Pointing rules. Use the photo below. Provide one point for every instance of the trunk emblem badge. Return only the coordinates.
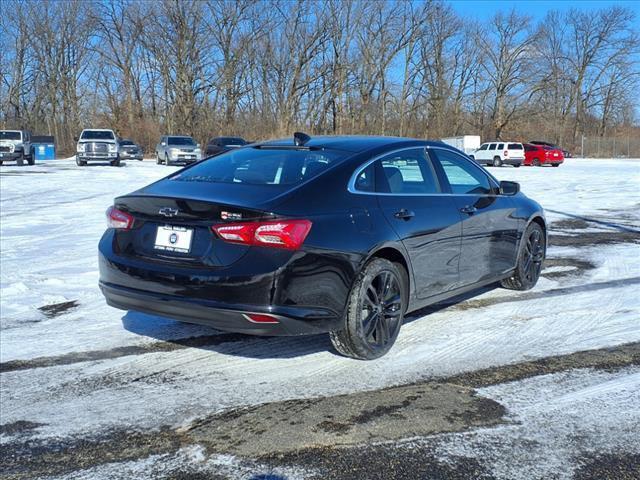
(230, 216)
(168, 211)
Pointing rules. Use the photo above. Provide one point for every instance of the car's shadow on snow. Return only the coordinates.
(187, 335)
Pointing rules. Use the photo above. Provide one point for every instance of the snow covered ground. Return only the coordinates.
(80, 369)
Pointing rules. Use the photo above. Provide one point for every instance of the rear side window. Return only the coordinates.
(267, 166)
(492, 146)
(365, 181)
(407, 172)
(514, 146)
(500, 146)
(464, 177)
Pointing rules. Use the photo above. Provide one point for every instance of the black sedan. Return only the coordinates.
(343, 235)
(220, 145)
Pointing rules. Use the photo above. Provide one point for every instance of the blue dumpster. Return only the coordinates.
(45, 147)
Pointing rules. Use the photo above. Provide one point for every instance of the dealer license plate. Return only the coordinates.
(174, 239)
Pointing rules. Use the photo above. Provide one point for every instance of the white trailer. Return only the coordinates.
(466, 143)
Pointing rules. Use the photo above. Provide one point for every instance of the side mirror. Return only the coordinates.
(75, 139)
(509, 188)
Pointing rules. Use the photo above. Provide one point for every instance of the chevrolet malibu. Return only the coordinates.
(337, 235)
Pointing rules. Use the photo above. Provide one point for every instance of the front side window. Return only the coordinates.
(463, 176)
(484, 147)
(407, 172)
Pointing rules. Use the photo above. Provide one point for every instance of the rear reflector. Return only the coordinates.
(260, 318)
(287, 234)
(118, 219)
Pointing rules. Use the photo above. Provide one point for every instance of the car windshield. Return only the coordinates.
(262, 166)
(9, 135)
(231, 141)
(181, 141)
(97, 135)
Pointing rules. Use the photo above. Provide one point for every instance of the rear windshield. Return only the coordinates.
(97, 135)
(514, 146)
(126, 142)
(261, 166)
(9, 135)
(181, 141)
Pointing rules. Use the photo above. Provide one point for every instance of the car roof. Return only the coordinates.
(352, 143)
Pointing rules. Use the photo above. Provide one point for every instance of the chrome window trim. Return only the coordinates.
(351, 186)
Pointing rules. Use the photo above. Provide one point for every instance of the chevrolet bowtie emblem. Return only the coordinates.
(168, 211)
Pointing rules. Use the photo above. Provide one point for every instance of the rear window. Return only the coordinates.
(97, 135)
(126, 142)
(231, 141)
(514, 146)
(256, 166)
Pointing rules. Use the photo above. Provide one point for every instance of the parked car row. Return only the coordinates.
(498, 154)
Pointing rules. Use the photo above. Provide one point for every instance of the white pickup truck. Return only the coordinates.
(97, 145)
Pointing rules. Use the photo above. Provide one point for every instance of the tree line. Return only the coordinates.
(264, 68)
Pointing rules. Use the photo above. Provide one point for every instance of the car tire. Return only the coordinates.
(116, 162)
(380, 295)
(32, 158)
(536, 162)
(517, 165)
(20, 160)
(158, 161)
(80, 163)
(555, 165)
(1, 162)
(166, 160)
(530, 259)
(497, 161)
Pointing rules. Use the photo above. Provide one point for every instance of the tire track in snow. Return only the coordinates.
(212, 340)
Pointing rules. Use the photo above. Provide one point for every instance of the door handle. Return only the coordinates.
(404, 214)
(469, 209)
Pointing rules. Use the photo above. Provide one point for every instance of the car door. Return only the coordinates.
(480, 155)
(425, 219)
(490, 223)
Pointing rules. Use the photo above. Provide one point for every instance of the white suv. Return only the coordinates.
(499, 153)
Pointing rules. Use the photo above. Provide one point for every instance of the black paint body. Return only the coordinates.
(445, 251)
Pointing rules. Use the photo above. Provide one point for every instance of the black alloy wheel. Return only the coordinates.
(375, 312)
(530, 260)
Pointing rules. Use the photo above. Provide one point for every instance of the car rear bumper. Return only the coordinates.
(287, 321)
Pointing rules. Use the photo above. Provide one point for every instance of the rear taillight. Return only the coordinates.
(260, 318)
(118, 219)
(288, 234)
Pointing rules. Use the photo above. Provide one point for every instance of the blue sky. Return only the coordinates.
(482, 9)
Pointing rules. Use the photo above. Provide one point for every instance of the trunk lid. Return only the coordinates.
(191, 208)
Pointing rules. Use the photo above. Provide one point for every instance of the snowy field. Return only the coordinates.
(75, 372)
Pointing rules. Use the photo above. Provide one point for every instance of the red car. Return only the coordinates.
(539, 155)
